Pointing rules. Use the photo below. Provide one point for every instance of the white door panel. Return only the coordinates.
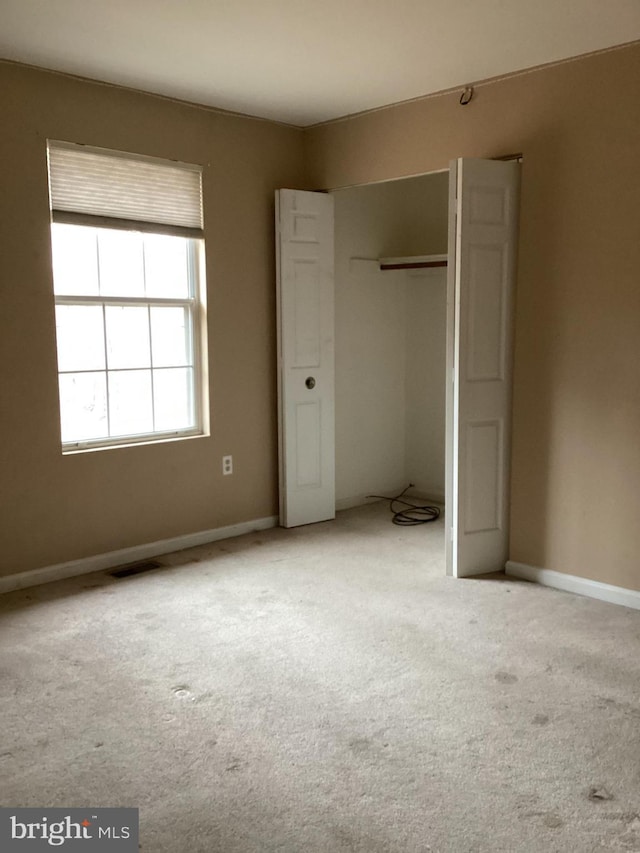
(304, 223)
(483, 239)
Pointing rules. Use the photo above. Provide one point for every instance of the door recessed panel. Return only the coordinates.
(307, 347)
(483, 493)
(488, 284)
(488, 205)
(304, 228)
(308, 452)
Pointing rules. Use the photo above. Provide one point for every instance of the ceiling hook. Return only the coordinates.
(466, 96)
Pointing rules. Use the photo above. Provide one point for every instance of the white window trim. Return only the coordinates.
(194, 304)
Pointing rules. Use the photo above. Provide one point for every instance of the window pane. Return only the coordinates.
(127, 336)
(170, 337)
(121, 263)
(80, 336)
(172, 394)
(165, 264)
(83, 406)
(75, 260)
(130, 402)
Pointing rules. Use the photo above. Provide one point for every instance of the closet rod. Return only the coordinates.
(412, 265)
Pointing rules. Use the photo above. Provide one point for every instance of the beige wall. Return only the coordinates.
(576, 439)
(576, 452)
(55, 508)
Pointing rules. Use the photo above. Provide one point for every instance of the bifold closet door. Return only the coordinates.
(483, 231)
(305, 300)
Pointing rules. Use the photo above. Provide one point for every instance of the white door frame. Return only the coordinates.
(450, 424)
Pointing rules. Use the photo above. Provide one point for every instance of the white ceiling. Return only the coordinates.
(304, 62)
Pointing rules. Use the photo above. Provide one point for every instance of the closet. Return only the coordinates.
(371, 353)
(390, 338)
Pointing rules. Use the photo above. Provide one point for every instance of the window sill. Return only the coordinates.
(129, 441)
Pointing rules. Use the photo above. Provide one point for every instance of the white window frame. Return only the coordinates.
(194, 304)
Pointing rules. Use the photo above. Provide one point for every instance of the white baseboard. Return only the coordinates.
(111, 559)
(573, 583)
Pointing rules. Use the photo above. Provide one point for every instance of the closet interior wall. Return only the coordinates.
(390, 331)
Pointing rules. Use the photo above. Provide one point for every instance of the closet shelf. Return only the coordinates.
(415, 262)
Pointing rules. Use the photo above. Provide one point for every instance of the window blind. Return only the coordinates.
(128, 189)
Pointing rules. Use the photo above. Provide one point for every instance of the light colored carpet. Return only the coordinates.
(326, 689)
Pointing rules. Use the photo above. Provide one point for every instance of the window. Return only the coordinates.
(126, 237)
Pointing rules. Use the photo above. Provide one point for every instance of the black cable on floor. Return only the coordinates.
(412, 513)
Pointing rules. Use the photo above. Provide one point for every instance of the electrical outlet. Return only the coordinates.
(227, 465)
